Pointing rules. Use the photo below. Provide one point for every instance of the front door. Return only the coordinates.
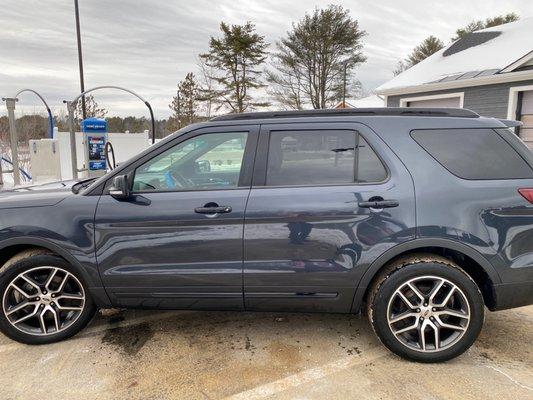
(177, 242)
(327, 199)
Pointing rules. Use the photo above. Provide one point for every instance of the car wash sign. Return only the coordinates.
(95, 131)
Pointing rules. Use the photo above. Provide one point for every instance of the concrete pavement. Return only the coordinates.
(217, 355)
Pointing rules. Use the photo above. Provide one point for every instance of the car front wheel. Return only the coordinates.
(426, 308)
(43, 299)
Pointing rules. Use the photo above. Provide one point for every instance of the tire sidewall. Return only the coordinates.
(404, 274)
(25, 264)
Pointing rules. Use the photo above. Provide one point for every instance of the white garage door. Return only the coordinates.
(446, 102)
(526, 116)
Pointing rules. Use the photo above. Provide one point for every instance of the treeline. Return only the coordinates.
(36, 126)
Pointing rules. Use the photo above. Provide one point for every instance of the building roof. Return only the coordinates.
(485, 53)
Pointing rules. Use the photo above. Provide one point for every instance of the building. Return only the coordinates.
(488, 71)
(365, 102)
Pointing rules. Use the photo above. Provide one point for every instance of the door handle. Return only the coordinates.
(213, 210)
(379, 203)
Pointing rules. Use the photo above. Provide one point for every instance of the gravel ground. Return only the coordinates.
(216, 355)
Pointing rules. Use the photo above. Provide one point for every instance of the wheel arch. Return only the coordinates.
(474, 264)
(13, 246)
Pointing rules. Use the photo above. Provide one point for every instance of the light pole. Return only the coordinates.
(80, 58)
(344, 86)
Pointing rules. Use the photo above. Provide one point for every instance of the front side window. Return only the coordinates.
(321, 158)
(209, 161)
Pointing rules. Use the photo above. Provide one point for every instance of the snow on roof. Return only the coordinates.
(482, 53)
(370, 101)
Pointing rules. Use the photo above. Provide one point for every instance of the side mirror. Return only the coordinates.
(202, 166)
(120, 188)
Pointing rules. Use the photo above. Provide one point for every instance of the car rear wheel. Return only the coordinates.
(425, 308)
(43, 299)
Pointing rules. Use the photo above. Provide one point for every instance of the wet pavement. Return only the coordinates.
(217, 355)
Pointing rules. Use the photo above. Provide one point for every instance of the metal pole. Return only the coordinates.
(73, 156)
(80, 58)
(50, 116)
(10, 104)
(179, 109)
(73, 102)
(344, 87)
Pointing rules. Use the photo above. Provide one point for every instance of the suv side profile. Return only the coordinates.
(421, 217)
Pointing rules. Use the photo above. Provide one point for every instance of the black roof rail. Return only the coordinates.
(378, 112)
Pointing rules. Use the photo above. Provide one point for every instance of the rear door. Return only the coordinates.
(327, 199)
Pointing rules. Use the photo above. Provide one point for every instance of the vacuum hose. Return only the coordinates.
(107, 150)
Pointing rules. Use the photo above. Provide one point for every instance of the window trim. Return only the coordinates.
(495, 130)
(245, 177)
(263, 148)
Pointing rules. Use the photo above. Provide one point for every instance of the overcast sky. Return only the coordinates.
(148, 46)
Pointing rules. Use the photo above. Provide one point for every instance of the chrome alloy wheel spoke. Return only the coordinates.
(43, 300)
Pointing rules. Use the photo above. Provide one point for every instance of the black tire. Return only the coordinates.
(405, 270)
(26, 261)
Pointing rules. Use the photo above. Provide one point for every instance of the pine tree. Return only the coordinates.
(309, 64)
(429, 46)
(188, 89)
(184, 104)
(488, 23)
(236, 58)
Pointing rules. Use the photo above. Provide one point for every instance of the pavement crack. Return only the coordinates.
(510, 378)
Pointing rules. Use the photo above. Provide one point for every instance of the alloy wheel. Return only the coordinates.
(428, 314)
(43, 300)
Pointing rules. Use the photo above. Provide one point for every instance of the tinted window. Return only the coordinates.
(210, 161)
(321, 157)
(473, 153)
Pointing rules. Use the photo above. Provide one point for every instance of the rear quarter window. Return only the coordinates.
(473, 153)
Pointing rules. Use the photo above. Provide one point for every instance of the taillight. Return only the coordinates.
(527, 193)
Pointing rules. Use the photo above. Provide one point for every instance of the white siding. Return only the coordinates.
(446, 102)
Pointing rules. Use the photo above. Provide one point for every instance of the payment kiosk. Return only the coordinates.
(95, 138)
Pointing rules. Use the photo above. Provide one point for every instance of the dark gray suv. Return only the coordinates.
(420, 216)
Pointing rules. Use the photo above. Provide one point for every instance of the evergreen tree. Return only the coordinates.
(429, 46)
(488, 23)
(236, 57)
(188, 89)
(309, 64)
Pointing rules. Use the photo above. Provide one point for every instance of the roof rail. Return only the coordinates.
(378, 112)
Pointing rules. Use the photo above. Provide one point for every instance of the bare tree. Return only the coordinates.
(207, 93)
(91, 107)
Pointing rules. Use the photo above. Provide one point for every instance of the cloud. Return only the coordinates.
(148, 46)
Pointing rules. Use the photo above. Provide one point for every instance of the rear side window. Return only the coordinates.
(321, 158)
(473, 153)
